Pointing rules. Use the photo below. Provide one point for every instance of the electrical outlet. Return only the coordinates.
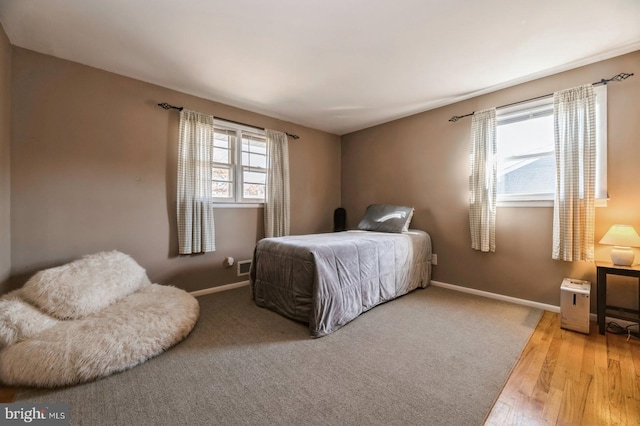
(434, 259)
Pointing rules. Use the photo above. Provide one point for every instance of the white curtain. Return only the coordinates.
(482, 180)
(196, 230)
(277, 205)
(575, 146)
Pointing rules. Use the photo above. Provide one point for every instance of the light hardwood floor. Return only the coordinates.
(563, 378)
(568, 378)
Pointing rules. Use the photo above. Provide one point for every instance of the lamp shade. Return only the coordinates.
(621, 235)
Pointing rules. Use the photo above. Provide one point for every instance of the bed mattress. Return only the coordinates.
(327, 280)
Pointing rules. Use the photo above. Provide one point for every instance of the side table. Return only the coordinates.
(608, 268)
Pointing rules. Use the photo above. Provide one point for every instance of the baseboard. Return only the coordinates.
(552, 308)
(497, 296)
(218, 289)
(525, 302)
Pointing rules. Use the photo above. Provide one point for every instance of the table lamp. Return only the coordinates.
(622, 238)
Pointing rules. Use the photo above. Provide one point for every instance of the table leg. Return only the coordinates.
(602, 299)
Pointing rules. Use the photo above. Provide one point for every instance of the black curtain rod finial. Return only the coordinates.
(458, 117)
(167, 106)
(619, 77)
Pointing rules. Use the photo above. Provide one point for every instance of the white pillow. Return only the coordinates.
(85, 286)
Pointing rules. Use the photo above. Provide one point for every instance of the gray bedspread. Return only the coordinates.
(327, 280)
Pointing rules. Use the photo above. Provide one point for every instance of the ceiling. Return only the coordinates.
(333, 65)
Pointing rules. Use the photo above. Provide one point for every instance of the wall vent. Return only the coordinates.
(244, 266)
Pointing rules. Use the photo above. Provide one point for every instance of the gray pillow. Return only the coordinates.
(386, 218)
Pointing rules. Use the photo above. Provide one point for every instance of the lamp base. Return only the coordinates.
(622, 256)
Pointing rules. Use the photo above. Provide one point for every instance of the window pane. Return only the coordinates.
(254, 160)
(253, 190)
(534, 176)
(223, 146)
(254, 177)
(222, 190)
(526, 161)
(221, 174)
(254, 152)
(221, 140)
(222, 155)
(525, 137)
(258, 146)
(254, 184)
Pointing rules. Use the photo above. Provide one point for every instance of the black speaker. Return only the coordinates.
(339, 220)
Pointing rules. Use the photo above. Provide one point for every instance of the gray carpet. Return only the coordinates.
(432, 357)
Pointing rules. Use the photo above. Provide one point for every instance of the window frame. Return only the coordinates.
(237, 167)
(534, 108)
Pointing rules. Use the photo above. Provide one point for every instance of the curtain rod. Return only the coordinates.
(168, 106)
(619, 77)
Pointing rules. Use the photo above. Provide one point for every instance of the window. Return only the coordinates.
(239, 170)
(526, 156)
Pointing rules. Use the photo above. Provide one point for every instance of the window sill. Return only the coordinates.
(540, 203)
(238, 205)
(525, 203)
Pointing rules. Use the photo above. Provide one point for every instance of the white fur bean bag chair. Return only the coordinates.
(88, 319)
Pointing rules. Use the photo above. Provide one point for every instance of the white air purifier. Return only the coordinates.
(574, 305)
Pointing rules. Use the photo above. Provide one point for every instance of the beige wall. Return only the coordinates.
(93, 167)
(5, 171)
(422, 161)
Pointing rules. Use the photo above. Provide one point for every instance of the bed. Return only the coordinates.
(327, 280)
